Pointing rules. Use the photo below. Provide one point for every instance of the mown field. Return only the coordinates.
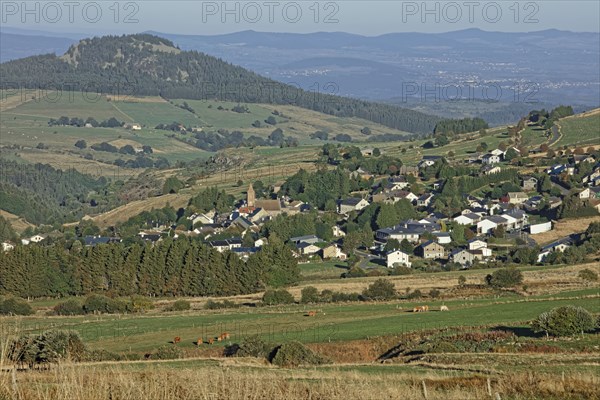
(581, 129)
(338, 322)
(353, 336)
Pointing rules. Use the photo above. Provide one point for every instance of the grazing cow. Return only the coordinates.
(421, 309)
(199, 342)
(225, 336)
(311, 313)
(219, 338)
(211, 341)
(444, 308)
(177, 339)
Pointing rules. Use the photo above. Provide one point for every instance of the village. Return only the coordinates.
(489, 227)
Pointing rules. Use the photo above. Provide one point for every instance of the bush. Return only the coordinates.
(180, 305)
(401, 270)
(310, 294)
(167, 352)
(281, 296)
(101, 355)
(139, 304)
(294, 353)
(251, 346)
(48, 347)
(415, 295)
(462, 280)
(505, 277)
(338, 297)
(69, 307)
(434, 293)
(381, 289)
(98, 304)
(564, 321)
(355, 272)
(216, 305)
(588, 275)
(14, 306)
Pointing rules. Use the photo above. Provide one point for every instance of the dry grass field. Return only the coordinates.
(209, 380)
(19, 224)
(564, 228)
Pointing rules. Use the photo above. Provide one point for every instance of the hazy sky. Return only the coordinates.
(363, 17)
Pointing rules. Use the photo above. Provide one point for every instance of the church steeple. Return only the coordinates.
(251, 196)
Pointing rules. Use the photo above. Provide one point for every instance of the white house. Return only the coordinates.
(497, 152)
(36, 238)
(425, 200)
(442, 237)
(307, 248)
(351, 204)
(490, 159)
(476, 244)
(517, 197)
(6, 246)
(559, 246)
(398, 257)
(488, 224)
(467, 219)
(585, 194)
(338, 232)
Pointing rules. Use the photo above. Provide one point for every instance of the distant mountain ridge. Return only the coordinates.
(149, 65)
(549, 67)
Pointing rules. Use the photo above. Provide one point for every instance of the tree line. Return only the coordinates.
(182, 267)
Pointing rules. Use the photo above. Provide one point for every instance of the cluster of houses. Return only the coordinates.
(430, 237)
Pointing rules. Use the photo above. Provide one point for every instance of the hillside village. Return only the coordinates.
(488, 229)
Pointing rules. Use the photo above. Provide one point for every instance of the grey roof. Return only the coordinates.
(566, 241)
(303, 238)
(351, 201)
(94, 240)
(497, 219)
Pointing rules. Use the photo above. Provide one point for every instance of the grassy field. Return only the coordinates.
(322, 270)
(342, 322)
(351, 335)
(533, 137)
(582, 129)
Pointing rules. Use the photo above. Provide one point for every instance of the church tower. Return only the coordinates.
(251, 196)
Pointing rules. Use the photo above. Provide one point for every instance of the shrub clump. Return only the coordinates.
(216, 305)
(167, 352)
(588, 275)
(98, 304)
(251, 346)
(505, 277)
(381, 289)
(69, 307)
(564, 321)
(310, 294)
(47, 347)
(180, 305)
(14, 306)
(294, 353)
(281, 296)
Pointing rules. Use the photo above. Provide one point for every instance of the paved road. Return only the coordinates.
(555, 136)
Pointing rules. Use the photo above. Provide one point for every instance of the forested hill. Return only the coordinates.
(149, 65)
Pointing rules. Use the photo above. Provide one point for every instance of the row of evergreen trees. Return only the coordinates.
(182, 267)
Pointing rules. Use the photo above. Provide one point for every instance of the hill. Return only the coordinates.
(152, 66)
(579, 130)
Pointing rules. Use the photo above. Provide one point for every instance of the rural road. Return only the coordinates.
(555, 135)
